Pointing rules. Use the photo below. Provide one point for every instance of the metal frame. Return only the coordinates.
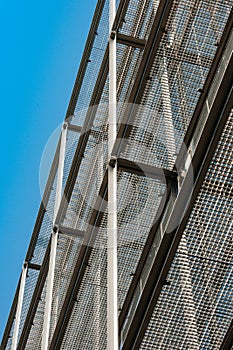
(147, 60)
(135, 96)
(48, 188)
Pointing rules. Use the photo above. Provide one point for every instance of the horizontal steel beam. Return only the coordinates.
(34, 266)
(146, 170)
(130, 41)
(68, 231)
(74, 128)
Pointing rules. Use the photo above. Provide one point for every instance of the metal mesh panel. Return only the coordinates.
(128, 60)
(139, 18)
(195, 310)
(46, 227)
(67, 254)
(9, 341)
(29, 288)
(180, 68)
(171, 93)
(87, 329)
(88, 319)
(94, 160)
(68, 246)
(91, 74)
(34, 338)
(71, 145)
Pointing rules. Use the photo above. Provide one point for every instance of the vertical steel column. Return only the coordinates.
(54, 238)
(19, 306)
(112, 309)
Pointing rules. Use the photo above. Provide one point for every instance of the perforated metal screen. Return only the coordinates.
(195, 309)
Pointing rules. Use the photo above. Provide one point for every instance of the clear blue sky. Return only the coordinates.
(41, 47)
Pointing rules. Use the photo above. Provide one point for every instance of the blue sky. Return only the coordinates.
(41, 47)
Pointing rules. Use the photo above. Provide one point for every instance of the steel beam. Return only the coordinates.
(68, 231)
(146, 170)
(131, 41)
(74, 128)
(33, 266)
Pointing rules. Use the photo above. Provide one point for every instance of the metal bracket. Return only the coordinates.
(113, 35)
(112, 161)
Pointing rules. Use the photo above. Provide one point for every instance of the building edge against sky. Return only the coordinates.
(172, 163)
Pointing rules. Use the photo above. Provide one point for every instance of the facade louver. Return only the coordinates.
(173, 156)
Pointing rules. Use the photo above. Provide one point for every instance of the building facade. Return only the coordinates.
(172, 162)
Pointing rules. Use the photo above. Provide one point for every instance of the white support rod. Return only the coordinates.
(112, 308)
(19, 306)
(54, 238)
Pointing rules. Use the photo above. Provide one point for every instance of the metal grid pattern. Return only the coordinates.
(69, 248)
(94, 160)
(63, 262)
(86, 321)
(34, 339)
(195, 310)
(46, 227)
(139, 18)
(29, 288)
(182, 62)
(94, 63)
(44, 235)
(9, 341)
(136, 195)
